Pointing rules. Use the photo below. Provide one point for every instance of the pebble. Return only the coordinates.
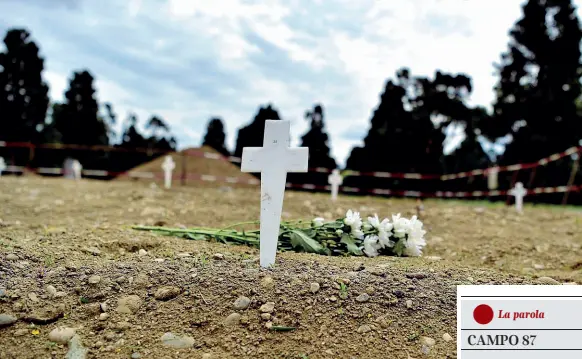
(12, 257)
(447, 337)
(93, 250)
(33, 297)
(333, 298)
(547, 281)
(364, 329)
(159, 260)
(232, 319)
(242, 303)
(314, 287)
(266, 316)
(61, 335)
(183, 255)
(409, 303)
(416, 275)
(428, 341)
(135, 356)
(267, 282)
(6, 320)
(103, 316)
(398, 293)
(268, 307)
(103, 307)
(176, 341)
(364, 297)
(142, 252)
(129, 304)
(167, 293)
(20, 332)
(539, 266)
(94, 279)
(218, 256)
(268, 325)
(51, 290)
(76, 349)
(2, 292)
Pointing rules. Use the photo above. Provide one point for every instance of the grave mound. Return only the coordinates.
(198, 170)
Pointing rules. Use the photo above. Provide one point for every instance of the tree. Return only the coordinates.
(252, 134)
(316, 140)
(78, 121)
(539, 84)
(407, 128)
(23, 93)
(215, 136)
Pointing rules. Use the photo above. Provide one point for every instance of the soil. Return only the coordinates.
(69, 258)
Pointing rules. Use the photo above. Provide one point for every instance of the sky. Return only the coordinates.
(190, 60)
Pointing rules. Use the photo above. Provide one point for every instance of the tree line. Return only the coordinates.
(537, 106)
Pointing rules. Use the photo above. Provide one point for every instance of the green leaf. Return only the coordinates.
(197, 237)
(282, 328)
(351, 245)
(302, 240)
(399, 248)
(83, 300)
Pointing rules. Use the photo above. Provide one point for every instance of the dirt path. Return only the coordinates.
(69, 259)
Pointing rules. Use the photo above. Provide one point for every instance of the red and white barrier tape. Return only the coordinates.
(378, 191)
(217, 156)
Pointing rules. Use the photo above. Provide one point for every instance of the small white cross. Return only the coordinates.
(518, 192)
(168, 166)
(2, 165)
(335, 180)
(273, 161)
(77, 168)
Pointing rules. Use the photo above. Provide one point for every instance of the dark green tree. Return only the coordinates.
(316, 140)
(23, 93)
(539, 85)
(252, 134)
(78, 120)
(215, 136)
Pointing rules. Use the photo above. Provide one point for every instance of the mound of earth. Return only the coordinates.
(195, 168)
(75, 277)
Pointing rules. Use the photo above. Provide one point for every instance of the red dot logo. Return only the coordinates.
(483, 314)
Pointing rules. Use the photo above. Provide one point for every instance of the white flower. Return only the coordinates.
(367, 226)
(339, 232)
(371, 246)
(401, 226)
(355, 222)
(415, 239)
(383, 229)
(353, 219)
(318, 222)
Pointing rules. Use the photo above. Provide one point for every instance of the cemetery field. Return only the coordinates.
(69, 258)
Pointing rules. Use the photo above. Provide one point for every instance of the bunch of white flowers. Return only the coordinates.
(401, 236)
(345, 236)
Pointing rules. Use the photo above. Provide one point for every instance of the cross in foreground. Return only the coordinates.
(168, 166)
(518, 192)
(335, 180)
(2, 165)
(273, 161)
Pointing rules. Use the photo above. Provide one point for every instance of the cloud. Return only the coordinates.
(190, 60)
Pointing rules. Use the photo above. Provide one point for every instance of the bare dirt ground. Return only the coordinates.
(68, 258)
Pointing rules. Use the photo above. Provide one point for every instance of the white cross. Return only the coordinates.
(77, 168)
(2, 165)
(335, 180)
(168, 166)
(273, 160)
(518, 192)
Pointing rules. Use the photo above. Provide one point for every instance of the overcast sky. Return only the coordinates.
(188, 60)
